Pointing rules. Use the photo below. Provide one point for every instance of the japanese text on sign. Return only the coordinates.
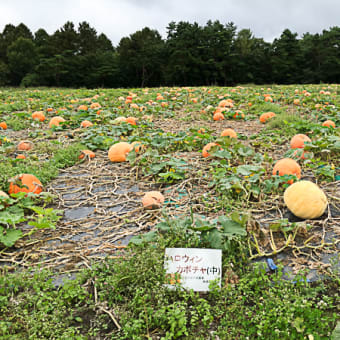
(193, 268)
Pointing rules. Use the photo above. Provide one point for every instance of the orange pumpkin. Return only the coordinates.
(218, 116)
(118, 152)
(226, 103)
(152, 200)
(329, 123)
(86, 123)
(266, 116)
(25, 183)
(137, 146)
(205, 150)
(229, 133)
(25, 145)
(131, 120)
(95, 106)
(287, 166)
(38, 115)
(120, 119)
(134, 106)
(298, 141)
(3, 125)
(238, 114)
(82, 108)
(87, 154)
(55, 121)
(20, 157)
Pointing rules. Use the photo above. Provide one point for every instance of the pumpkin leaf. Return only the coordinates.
(8, 237)
(246, 170)
(231, 227)
(213, 238)
(12, 215)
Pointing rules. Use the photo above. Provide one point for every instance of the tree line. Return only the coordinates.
(191, 55)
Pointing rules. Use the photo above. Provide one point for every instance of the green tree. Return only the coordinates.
(217, 52)
(87, 38)
(184, 43)
(243, 56)
(199, 55)
(312, 56)
(330, 55)
(22, 57)
(287, 58)
(141, 58)
(4, 73)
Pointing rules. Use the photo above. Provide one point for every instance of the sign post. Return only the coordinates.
(193, 268)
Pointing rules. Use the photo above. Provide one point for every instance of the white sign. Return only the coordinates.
(193, 268)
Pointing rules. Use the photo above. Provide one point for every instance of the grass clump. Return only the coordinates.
(45, 171)
(283, 119)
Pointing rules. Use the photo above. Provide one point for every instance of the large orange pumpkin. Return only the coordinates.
(131, 120)
(38, 115)
(287, 166)
(329, 123)
(119, 151)
(119, 120)
(82, 108)
(229, 132)
(55, 121)
(86, 123)
(3, 125)
(95, 106)
(298, 141)
(205, 150)
(87, 154)
(25, 183)
(226, 103)
(138, 146)
(266, 116)
(152, 200)
(238, 114)
(218, 116)
(25, 145)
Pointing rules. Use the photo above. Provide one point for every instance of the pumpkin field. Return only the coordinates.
(96, 175)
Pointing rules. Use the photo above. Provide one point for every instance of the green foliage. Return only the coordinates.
(223, 233)
(18, 209)
(44, 171)
(191, 54)
(131, 287)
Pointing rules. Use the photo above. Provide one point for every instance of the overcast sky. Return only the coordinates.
(120, 18)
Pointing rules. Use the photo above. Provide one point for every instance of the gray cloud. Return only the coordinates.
(119, 18)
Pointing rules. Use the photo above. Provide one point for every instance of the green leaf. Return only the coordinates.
(221, 153)
(12, 215)
(245, 151)
(137, 240)
(163, 226)
(231, 227)
(9, 236)
(246, 170)
(213, 238)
